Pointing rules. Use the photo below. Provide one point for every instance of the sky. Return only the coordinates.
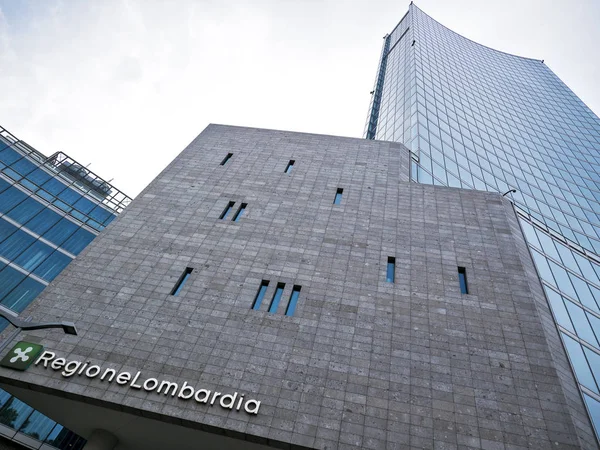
(125, 85)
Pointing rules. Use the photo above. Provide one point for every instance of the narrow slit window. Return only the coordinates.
(260, 294)
(226, 159)
(290, 165)
(276, 298)
(338, 196)
(239, 212)
(462, 280)
(182, 279)
(226, 210)
(391, 270)
(293, 301)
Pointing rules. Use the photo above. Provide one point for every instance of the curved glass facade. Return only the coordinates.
(50, 210)
(478, 118)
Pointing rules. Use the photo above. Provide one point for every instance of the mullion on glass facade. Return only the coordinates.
(478, 118)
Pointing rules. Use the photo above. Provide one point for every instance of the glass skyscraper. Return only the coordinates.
(478, 118)
(51, 208)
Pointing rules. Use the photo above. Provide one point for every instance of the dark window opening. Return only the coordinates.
(239, 212)
(227, 158)
(291, 308)
(391, 270)
(338, 197)
(260, 294)
(462, 279)
(182, 279)
(290, 165)
(226, 210)
(276, 298)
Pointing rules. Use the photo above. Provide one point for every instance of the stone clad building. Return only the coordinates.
(349, 307)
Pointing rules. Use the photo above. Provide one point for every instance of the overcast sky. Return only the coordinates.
(126, 84)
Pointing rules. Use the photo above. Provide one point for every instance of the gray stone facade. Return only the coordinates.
(363, 363)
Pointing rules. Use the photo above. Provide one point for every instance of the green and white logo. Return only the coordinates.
(22, 355)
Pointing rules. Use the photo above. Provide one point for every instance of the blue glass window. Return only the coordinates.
(593, 360)
(61, 231)
(61, 205)
(78, 241)
(290, 166)
(226, 210)
(25, 210)
(20, 297)
(8, 156)
(6, 229)
(543, 268)
(14, 413)
(69, 196)
(64, 439)
(101, 215)
(10, 198)
(23, 166)
(293, 301)
(52, 266)
(84, 205)
(580, 365)
(338, 196)
(276, 298)
(227, 158)
(594, 408)
(179, 285)
(462, 280)
(583, 292)
(562, 279)
(260, 295)
(13, 246)
(38, 176)
(4, 396)
(559, 309)
(240, 211)
(4, 185)
(109, 219)
(582, 326)
(38, 426)
(43, 221)
(391, 270)
(53, 186)
(34, 255)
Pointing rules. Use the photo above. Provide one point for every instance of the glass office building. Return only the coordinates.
(51, 208)
(478, 118)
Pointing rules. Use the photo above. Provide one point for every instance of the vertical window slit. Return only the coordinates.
(338, 196)
(260, 294)
(226, 210)
(276, 298)
(227, 158)
(288, 169)
(462, 280)
(291, 308)
(391, 270)
(182, 279)
(239, 212)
